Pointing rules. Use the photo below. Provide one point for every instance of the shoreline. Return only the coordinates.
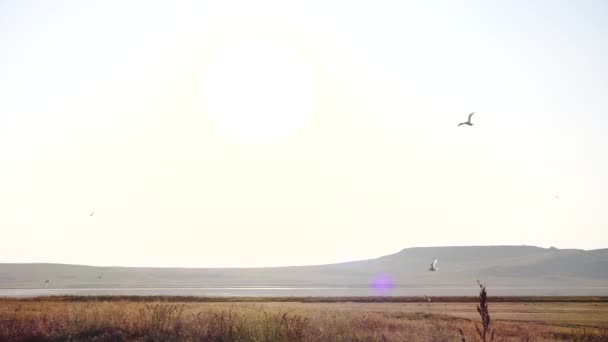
(353, 299)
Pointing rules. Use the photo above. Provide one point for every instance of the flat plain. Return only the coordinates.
(183, 319)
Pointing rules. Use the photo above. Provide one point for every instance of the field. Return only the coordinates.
(182, 319)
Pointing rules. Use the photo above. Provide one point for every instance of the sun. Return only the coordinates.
(257, 91)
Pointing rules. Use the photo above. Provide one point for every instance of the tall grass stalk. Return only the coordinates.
(484, 331)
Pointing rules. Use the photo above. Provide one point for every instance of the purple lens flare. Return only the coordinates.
(383, 284)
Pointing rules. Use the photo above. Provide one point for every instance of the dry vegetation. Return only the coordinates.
(312, 319)
(342, 299)
(54, 320)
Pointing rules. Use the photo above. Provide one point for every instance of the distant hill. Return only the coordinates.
(458, 266)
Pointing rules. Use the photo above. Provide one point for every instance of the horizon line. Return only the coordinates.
(285, 266)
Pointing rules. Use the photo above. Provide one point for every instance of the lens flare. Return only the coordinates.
(383, 284)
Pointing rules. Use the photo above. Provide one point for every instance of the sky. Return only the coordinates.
(269, 133)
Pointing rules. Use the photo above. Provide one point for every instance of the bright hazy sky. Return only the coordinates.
(263, 133)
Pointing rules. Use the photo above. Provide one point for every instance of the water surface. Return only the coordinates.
(292, 291)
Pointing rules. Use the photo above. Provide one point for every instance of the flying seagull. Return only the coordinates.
(468, 121)
(433, 267)
(46, 282)
(99, 276)
(92, 212)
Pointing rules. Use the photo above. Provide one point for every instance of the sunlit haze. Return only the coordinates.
(267, 133)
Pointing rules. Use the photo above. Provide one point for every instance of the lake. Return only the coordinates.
(292, 291)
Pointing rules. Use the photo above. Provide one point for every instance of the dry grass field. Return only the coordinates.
(52, 319)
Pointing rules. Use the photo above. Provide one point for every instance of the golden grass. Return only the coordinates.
(342, 299)
(127, 320)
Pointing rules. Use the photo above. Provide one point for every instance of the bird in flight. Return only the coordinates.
(100, 275)
(468, 122)
(433, 267)
(92, 212)
(46, 282)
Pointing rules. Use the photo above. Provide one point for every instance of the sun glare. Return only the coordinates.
(257, 92)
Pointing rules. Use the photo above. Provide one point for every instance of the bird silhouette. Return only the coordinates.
(46, 282)
(92, 212)
(100, 275)
(468, 122)
(433, 267)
